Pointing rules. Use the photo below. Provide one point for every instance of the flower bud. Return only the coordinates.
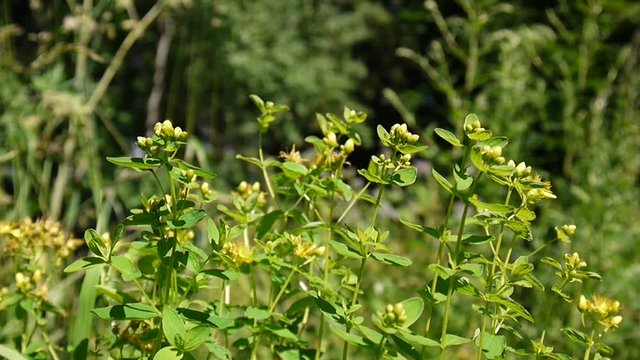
(255, 187)
(349, 146)
(583, 303)
(331, 140)
(204, 188)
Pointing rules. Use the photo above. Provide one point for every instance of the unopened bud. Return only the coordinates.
(349, 146)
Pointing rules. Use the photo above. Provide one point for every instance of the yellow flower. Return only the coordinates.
(239, 253)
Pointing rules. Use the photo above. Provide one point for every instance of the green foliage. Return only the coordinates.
(283, 271)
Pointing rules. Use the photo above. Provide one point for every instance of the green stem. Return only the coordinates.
(496, 259)
(445, 320)
(325, 276)
(264, 171)
(364, 251)
(447, 307)
(587, 353)
(380, 350)
(352, 203)
(275, 301)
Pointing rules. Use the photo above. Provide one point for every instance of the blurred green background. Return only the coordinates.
(79, 80)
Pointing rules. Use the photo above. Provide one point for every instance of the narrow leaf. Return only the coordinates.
(448, 136)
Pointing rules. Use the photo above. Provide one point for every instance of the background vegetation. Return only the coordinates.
(79, 80)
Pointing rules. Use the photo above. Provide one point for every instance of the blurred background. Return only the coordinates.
(79, 80)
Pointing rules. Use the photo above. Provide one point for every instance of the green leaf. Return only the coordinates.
(372, 177)
(477, 161)
(501, 170)
(383, 135)
(443, 272)
(411, 149)
(196, 170)
(515, 307)
(370, 334)
(294, 170)
(476, 239)
(576, 335)
(344, 250)
(493, 346)
(526, 214)
(413, 308)
(417, 340)
(227, 275)
(168, 353)
(423, 229)
(471, 120)
(442, 181)
(551, 261)
(125, 267)
(213, 233)
(116, 235)
(10, 353)
(195, 337)
(95, 243)
(135, 163)
(348, 337)
(187, 220)
(84, 264)
(448, 136)
(475, 269)
(257, 313)
(267, 222)
(481, 135)
(500, 141)
(282, 332)
(173, 327)
(328, 308)
(218, 351)
(454, 340)
(130, 311)
(604, 348)
(484, 206)
(391, 259)
(404, 177)
(463, 181)
(258, 101)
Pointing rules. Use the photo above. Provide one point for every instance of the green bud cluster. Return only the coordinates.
(400, 135)
(394, 315)
(164, 133)
(574, 263)
(474, 126)
(565, 232)
(492, 155)
(521, 170)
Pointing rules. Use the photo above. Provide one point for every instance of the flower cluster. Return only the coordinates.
(521, 170)
(394, 315)
(492, 155)
(240, 254)
(164, 134)
(574, 264)
(473, 125)
(246, 191)
(565, 232)
(400, 135)
(35, 248)
(293, 156)
(603, 308)
(327, 154)
(305, 249)
(31, 239)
